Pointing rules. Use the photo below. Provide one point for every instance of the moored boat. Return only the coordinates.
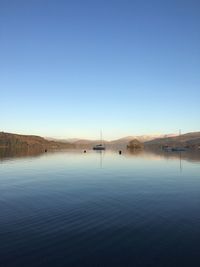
(99, 146)
(178, 149)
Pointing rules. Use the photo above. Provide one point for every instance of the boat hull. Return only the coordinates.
(178, 149)
(99, 148)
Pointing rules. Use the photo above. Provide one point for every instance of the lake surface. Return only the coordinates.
(73, 209)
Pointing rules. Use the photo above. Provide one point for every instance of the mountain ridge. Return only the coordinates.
(191, 139)
(29, 141)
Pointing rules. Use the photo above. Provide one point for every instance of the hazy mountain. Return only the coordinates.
(141, 138)
(118, 143)
(189, 139)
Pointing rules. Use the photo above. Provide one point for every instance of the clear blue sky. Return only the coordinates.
(69, 68)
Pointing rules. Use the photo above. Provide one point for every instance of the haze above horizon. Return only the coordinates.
(71, 68)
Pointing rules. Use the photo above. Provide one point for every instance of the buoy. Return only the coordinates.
(120, 152)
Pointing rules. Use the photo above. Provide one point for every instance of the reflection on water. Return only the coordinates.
(17, 152)
(189, 155)
(69, 208)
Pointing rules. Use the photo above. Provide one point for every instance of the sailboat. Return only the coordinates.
(99, 146)
(179, 148)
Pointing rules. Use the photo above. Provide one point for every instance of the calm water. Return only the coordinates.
(75, 209)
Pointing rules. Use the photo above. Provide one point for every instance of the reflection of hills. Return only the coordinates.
(6, 153)
(189, 155)
(149, 153)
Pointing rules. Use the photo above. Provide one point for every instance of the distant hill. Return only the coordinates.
(134, 144)
(118, 143)
(191, 140)
(30, 141)
(114, 144)
(123, 142)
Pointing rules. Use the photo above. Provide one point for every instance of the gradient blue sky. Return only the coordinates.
(69, 68)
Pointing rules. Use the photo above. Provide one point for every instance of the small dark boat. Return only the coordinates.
(178, 149)
(175, 148)
(99, 147)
